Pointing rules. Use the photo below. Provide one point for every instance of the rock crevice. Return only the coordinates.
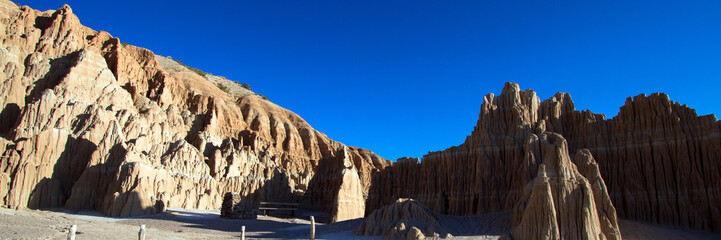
(92, 123)
(658, 159)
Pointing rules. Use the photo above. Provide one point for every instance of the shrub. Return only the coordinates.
(246, 86)
(195, 70)
(198, 71)
(222, 87)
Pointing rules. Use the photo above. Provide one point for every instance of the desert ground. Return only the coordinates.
(172, 224)
(202, 224)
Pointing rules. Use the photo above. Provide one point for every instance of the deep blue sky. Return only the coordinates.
(404, 78)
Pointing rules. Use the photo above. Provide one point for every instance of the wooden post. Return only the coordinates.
(71, 233)
(141, 233)
(242, 233)
(312, 228)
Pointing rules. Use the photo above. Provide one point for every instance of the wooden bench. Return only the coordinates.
(265, 206)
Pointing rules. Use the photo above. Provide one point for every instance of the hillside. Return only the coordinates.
(90, 123)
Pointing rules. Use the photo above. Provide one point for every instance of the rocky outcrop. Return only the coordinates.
(658, 159)
(349, 202)
(485, 174)
(233, 208)
(341, 193)
(607, 218)
(179, 70)
(90, 123)
(560, 202)
(404, 219)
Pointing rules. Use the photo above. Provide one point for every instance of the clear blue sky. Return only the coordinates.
(402, 78)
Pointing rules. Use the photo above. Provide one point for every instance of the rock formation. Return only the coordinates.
(90, 123)
(349, 201)
(560, 202)
(404, 219)
(233, 207)
(607, 218)
(658, 159)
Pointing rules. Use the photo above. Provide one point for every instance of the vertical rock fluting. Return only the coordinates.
(560, 202)
(341, 192)
(485, 174)
(90, 123)
(607, 217)
(659, 160)
(404, 219)
(349, 202)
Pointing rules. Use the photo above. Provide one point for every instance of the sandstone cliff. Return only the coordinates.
(561, 202)
(90, 123)
(659, 160)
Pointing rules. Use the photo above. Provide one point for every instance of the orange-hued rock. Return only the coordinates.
(660, 162)
(341, 192)
(349, 202)
(560, 202)
(90, 123)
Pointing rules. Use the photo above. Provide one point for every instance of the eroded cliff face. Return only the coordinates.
(562, 202)
(404, 219)
(90, 123)
(660, 162)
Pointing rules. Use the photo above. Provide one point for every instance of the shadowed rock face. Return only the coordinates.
(91, 123)
(560, 202)
(404, 219)
(659, 160)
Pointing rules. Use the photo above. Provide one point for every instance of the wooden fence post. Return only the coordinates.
(242, 233)
(71, 233)
(312, 228)
(141, 233)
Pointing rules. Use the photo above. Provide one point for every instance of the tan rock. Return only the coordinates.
(102, 125)
(560, 203)
(658, 159)
(485, 174)
(415, 233)
(350, 203)
(404, 219)
(588, 167)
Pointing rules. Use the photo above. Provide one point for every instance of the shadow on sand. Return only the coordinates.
(272, 227)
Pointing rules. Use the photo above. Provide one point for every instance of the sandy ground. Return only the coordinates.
(639, 230)
(201, 224)
(484, 226)
(172, 224)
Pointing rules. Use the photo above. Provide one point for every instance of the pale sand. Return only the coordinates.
(172, 224)
(202, 224)
(632, 230)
